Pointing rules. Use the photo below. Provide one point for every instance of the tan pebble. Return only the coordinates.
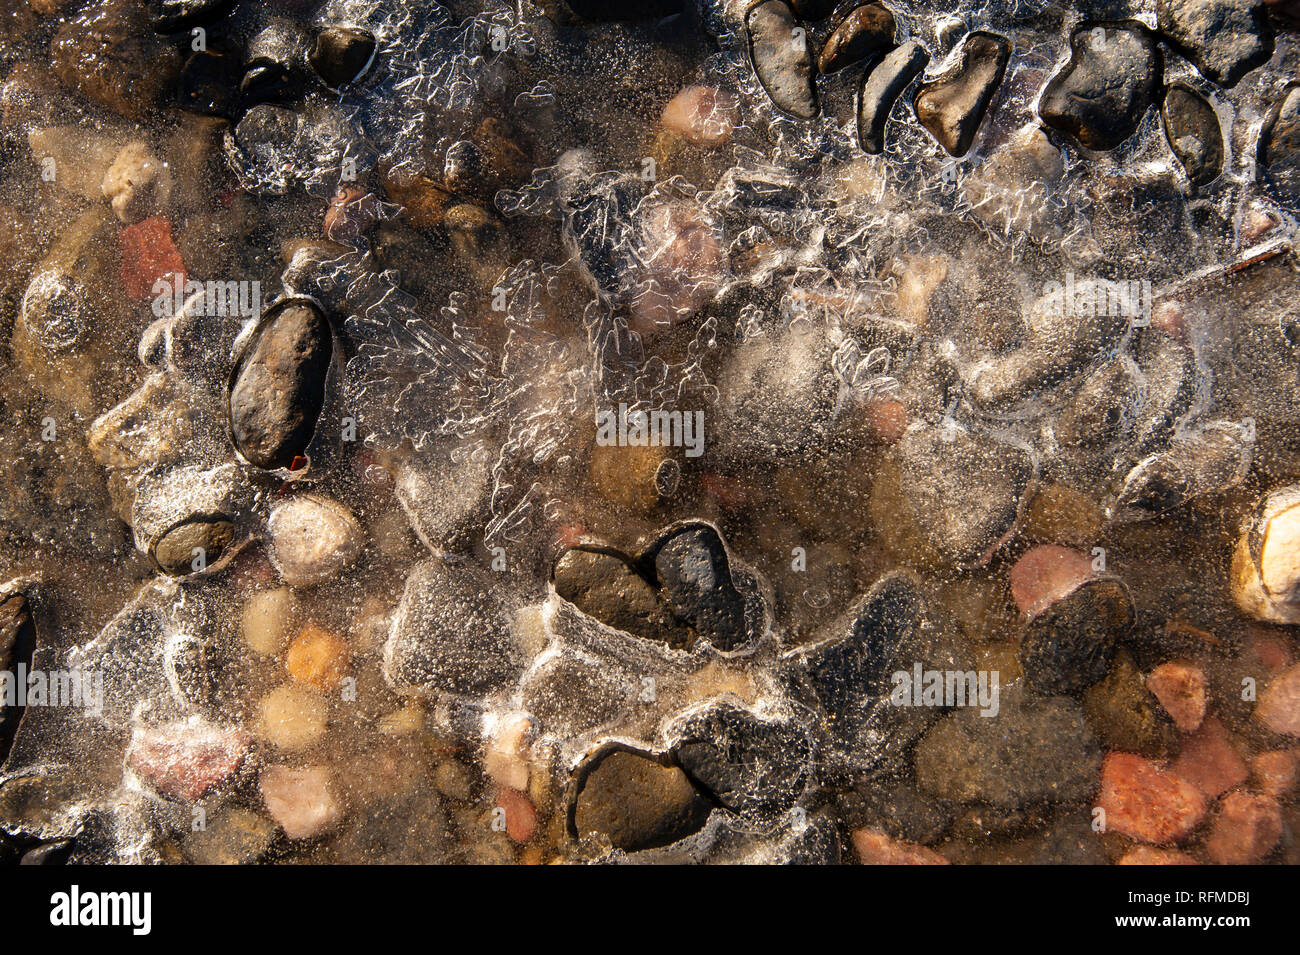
(1180, 688)
(452, 780)
(626, 475)
(138, 184)
(313, 539)
(409, 719)
(78, 159)
(506, 757)
(1265, 570)
(918, 278)
(266, 618)
(293, 718)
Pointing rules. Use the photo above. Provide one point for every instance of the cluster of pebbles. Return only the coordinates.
(314, 321)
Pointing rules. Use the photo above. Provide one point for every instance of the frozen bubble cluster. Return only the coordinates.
(723, 431)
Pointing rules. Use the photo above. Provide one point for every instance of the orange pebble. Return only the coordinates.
(318, 658)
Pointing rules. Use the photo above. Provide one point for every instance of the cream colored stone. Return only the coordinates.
(293, 718)
(313, 538)
(1266, 581)
(266, 619)
(301, 800)
(138, 184)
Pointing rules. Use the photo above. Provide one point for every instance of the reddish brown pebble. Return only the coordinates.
(1279, 704)
(1246, 829)
(1274, 773)
(886, 419)
(521, 817)
(187, 761)
(1210, 762)
(148, 256)
(1045, 574)
(1168, 317)
(877, 848)
(1145, 802)
(1180, 688)
(1272, 650)
(1150, 855)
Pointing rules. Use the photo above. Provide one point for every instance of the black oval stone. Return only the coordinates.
(1194, 134)
(341, 54)
(277, 389)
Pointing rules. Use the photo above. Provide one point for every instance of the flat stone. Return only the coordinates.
(694, 577)
(1194, 134)
(1101, 95)
(952, 106)
(607, 587)
(864, 31)
(278, 387)
(193, 546)
(783, 64)
(187, 761)
(634, 799)
(1033, 751)
(746, 763)
(313, 539)
(962, 489)
(1226, 39)
(881, 87)
(233, 837)
(1279, 142)
(340, 54)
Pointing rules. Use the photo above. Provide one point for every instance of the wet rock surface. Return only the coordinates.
(1194, 134)
(1226, 39)
(1113, 77)
(866, 30)
(635, 801)
(278, 386)
(782, 58)
(881, 88)
(952, 106)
